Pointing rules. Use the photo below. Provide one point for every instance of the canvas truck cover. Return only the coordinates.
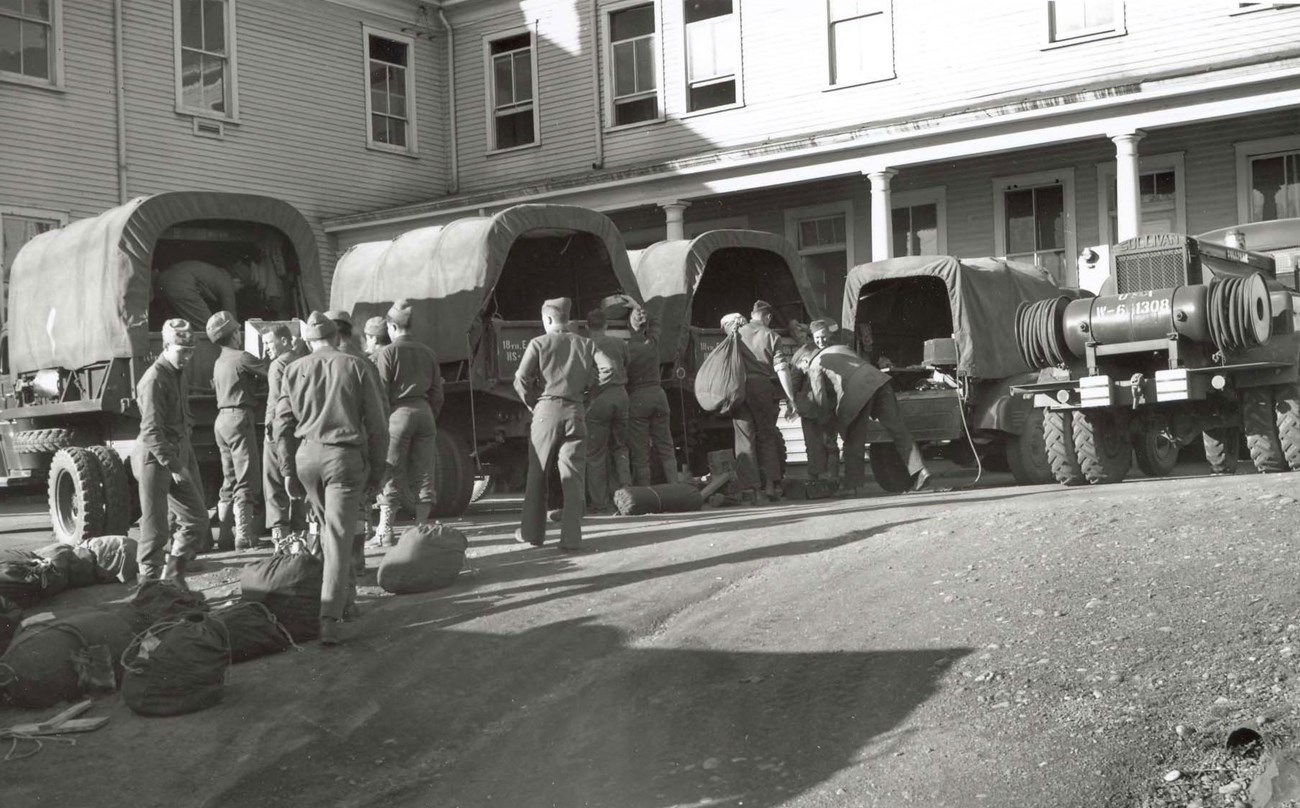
(449, 271)
(983, 295)
(80, 294)
(669, 272)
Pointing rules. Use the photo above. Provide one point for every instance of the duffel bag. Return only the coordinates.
(426, 557)
(253, 631)
(158, 601)
(115, 557)
(62, 659)
(76, 570)
(665, 498)
(288, 585)
(11, 620)
(177, 666)
(720, 379)
(25, 577)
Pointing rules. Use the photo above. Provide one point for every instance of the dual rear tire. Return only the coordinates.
(89, 494)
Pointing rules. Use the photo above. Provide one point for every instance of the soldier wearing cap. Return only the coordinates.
(767, 373)
(648, 413)
(282, 517)
(607, 415)
(331, 442)
(857, 391)
(821, 438)
(554, 378)
(412, 380)
(376, 336)
(164, 463)
(235, 376)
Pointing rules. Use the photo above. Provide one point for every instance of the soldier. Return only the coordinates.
(820, 436)
(376, 336)
(234, 379)
(165, 465)
(331, 440)
(282, 517)
(858, 391)
(409, 374)
(607, 415)
(758, 441)
(554, 376)
(195, 290)
(648, 413)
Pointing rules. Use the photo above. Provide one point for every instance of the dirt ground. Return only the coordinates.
(1002, 646)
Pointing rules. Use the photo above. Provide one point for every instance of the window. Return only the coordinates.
(1268, 179)
(512, 79)
(861, 41)
(17, 227)
(823, 235)
(1034, 221)
(205, 58)
(30, 42)
(633, 67)
(1161, 194)
(712, 54)
(917, 218)
(1070, 21)
(390, 92)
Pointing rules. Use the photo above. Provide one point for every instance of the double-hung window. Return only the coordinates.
(1071, 21)
(1275, 186)
(205, 57)
(1034, 221)
(918, 222)
(712, 54)
(513, 91)
(633, 66)
(823, 235)
(390, 92)
(29, 41)
(861, 41)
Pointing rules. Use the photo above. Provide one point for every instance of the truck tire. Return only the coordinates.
(889, 469)
(1058, 438)
(1155, 453)
(42, 441)
(1260, 424)
(483, 486)
(454, 480)
(76, 496)
(1103, 449)
(1027, 452)
(1222, 448)
(1286, 398)
(117, 491)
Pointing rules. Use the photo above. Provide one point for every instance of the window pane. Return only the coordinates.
(1020, 221)
(515, 129)
(524, 76)
(713, 95)
(1267, 180)
(511, 43)
(191, 79)
(1165, 184)
(1053, 262)
(387, 50)
(36, 50)
(214, 83)
(701, 57)
(503, 79)
(1292, 185)
(192, 23)
(40, 9)
(214, 26)
(645, 65)
(643, 109)
(697, 10)
(861, 49)
(378, 87)
(11, 60)
(1099, 13)
(631, 22)
(12, 5)
(1049, 216)
(624, 69)
(397, 92)
(379, 128)
(901, 221)
(397, 132)
(807, 233)
(925, 229)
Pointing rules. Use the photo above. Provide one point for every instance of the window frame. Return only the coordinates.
(490, 90)
(1250, 149)
(844, 207)
(738, 76)
(1237, 7)
(608, 54)
(887, 8)
(1039, 179)
(1147, 163)
(55, 81)
(412, 141)
(231, 115)
(1118, 28)
(937, 196)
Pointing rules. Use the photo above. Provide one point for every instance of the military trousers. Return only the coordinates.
(758, 442)
(160, 496)
(821, 441)
(649, 423)
(241, 472)
(606, 442)
(557, 439)
(282, 513)
(883, 407)
(412, 454)
(335, 479)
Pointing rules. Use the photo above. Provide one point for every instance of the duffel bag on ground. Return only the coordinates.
(11, 620)
(666, 498)
(253, 631)
(157, 601)
(288, 585)
(25, 577)
(76, 569)
(60, 660)
(115, 557)
(177, 666)
(426, 557)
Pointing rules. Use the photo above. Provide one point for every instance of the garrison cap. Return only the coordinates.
(805, 353)
(818, 326)
(376, 326)
(221, 324)
(400, 313)
(339, 316)
(559, 306)
(319, 326)
(761, 306)
(178, 331)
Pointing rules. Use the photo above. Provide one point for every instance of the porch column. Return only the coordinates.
(1128, 203)
(673, 218)
(882, 227)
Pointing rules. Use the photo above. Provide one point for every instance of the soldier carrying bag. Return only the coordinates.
(720, 379)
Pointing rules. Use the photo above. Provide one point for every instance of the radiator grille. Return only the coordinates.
(1154, 269)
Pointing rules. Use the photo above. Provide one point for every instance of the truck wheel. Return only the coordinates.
(1058, 438)
(1286, 398)
(42, 441)
(889, 469)
(1027, 452)
(454, 480)
(117, 491)
(1222, 448)
(1260, 423)
(1155, 453)
(1102, 447)
(76, 496)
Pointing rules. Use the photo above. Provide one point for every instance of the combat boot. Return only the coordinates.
(622, 470)
(422, 511)
(384, 530)
(330, 631)
(175, 573)
(225, 527)
(244, 538)
(147, 573)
